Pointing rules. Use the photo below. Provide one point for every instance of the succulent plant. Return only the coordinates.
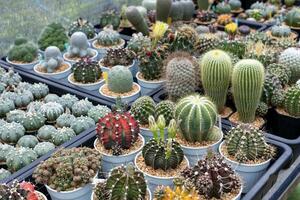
(262, 109)
(79, 46)
(293, 18)
(281, 31)
(68, 169)
(81, 108)
(235, 4)
(82, 26)
(67, 100)
(247, 84)
(224, 19)
(177, 11)
(197, 116)
(65, 120)
(2, 88)
(16, 191)
(19, 158)
(45, 132)
(120, 56)
(272, 86)
(51, 98)
(24, 52)
(213, 177)
(244, 30)
(137, 20)
(281, 71)
(43, 148)
(53, 34)
(291, 58)
(86, 71)
(20, 97)
(15, 116)
(163, 9)
(261, 52)
(6, 105)
(165, 108)
(51, 111)
(142, 108)
(138, 42)
(289, 3)
(120, 79)
(291, 101)
(216, 69)
(108, 37)
(62, 135)
(205, 16)
(3, 175)
(10, 78)
(28, 141)
(110, 17)
(97, 112)
(182, 75)
(53, 59)
(202, 29)
(4, 151)
(39, 90)
(223, 8)
(10, 133)
(81, 124)
(206, 42)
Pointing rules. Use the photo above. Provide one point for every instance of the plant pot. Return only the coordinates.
(102, 51)
(194, 154)
(128, 99)
(148, 135)
(148, 191)
(148, 86)
(56, 75)
(109, 161)
(72, 61)
(88, 86)
(41, 195)
(27, 66)
(131, 67)
(250, 173)
(239, 195)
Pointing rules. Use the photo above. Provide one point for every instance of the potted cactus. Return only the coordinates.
(214, 179)
(282, 31)
(82, 25)
(23, 54)
(246, 150)
(205, 17)
(197, 116)
(110, 17)
(118, 138)
(68, 173)
(292, 18)
(120, 84)
(79, 48)
(236, 6)
(86, 74)
(290, 58)
(161, 158)
(131, 185)
(136, 18)
(223, 8)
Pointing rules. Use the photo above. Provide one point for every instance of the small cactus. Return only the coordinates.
(108, 37)
(53, 59)
(67, 100)
(6, 105)
(120, 79)
(86, 71)
(81, 108)
(62, 135)
(163, 9)
(10, 133)
(137, 20)
(51, 111)
(81, 124)
(142, 108)
(51, 98)
(291, 58)
(97, 112)
(5, 149)
(291, 101)
(45, 132)
(43, 148)
(28, 141)
(165, 108)
(65, 120)
(39, 90)
(4, 174)
(79, 46)
(19, 158)
(82, 26)
(32, 121)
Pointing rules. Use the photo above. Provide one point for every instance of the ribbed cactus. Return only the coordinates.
(43, 148)
(247, 83)
(165, 108)
(65, 120)
(292, 101)
(197, 116)
(51, 111)
(108, 37)
(142, 108)
(32, 121)
(67, 100)
(291, 58)
(45, 132)
(163, 8)
(29, 141)
(137, 20)
(181, 75)
(84, 26)
(216, 69)
(86, 71)
(4, 151)
(97, 112)
(81, 108)
(39, 90)
(81, 124)
(20, 158)
(62, 135)
(246, 143)
(11, 132)
(6, 105)
(79, 46)
(188, 9)
(120, 79)
(272, 86)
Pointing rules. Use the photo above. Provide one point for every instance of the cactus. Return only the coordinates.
(6, 105)
(247, 84)
(281, 31)
(28, 141)
(81, 25)
(142, 108)
(68, 169)
(291, 58)
(216, 69)
(2, 88)
(165, 108)
(39, 90)
(45, 132)
(213, 177)
(51, 98)
(223, 8)
(32, 121)
(137, 20)
(81, 124)
(79, 46)
(25, 52)
(198, 116)
(163, 9)
(235, 5)
(67, 100)
(16, 191)
(4, 174)
(291, 101)
(62, 135)
(97, 112)
(53, 59)
(138, 42)
(206, 42)
(10, 133)
(120, 79)
(261, 52)
(10, 78)
(81, 108)
(181, 75)
(65, 120)
(289, 3)
(43, 148)
(272, 86)
(86, 71)
(108, 37)
(177, 11)
(20, 97)
(19, 158)
(262, 109)
(120, 56)
(5, 149)
(281, 71)
(15, 116)
(293, 18)
(224, 19)
(110, 17)
(205, 16)
(51, 111)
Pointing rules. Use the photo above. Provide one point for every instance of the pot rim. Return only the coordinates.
(50, 74)
(145, 81)
(127, 66)
(83, 84)
(71, 60)
(122, 96)
(122, 43)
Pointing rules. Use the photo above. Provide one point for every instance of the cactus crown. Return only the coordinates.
(25, 52)
(82, 25)
(16, 190)
(291, 101)
(79, 46)
(108, 37)
(120, 56)
(138, 42)
(142, 108)
(120, 79)
(86, 71)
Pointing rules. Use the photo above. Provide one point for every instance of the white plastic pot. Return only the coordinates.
(127, 99)
(102, 51)
(194, 154)
(148, 135)
(150, 195)
(72, 61)
(250, 173)
(88, 86)
(131, 67)
(78, 194)
(148, 86)
(109, 161)
(57, 75)
(28, 66)
(41, 194)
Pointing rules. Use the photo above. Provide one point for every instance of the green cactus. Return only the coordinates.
(4, 151)
(28, 141)
(177, 11)
(262, 109)
(203, 4)
(188, 9)
(293, 18)
(20, 97)
(120, 79)
(108, 37)
(197, 116)
(235, 4)
(4, 173)
(15, 116)
(81, 124)
(281, 31)
(45, 132)
(142, 108)
(110, 17)
(20, 158)
(97, 112)
(163, 9)
(223, 8)
(86, 71)
(81, 108)
(67, 100)
(51, 111)
(32, 121)
(51, 98)
(281, 71)
(10, 133)
(138, 42)
(291, 58)
(53, 59)
(119, 56)
(291, 101)
(6, 105)
(247, 83)
(43, 148)
(62, 135)
(65, 120)
(25, 52)
(272, 86)
(137, 20)
(165, 108)
(206, 42)
(216, 69)
(39, 90)
(82, 26)
(289, 3)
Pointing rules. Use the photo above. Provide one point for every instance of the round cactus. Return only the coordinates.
(39, 90)
(15, 116)
(62, 135)
(223, 8)
(281, 71)
(53, 59)
(82, 26)
(292, 101)
(51, 98)
(86, 71)
(79, 46)
(20, 158)
(11, 78)
(272, 86)
(32, 121)
(281, 31)
(4, 173)
(216, 69)
(111, 17)
(65, 120)
(235, 4)
(177, 11)
(262, 109)
(11, 132)
(108, 37)
(97, 112)
(120, 79)
(43, 148)
(45, 132)
(6, 105)
(137, 20)
(165, 108)
(20, 97)
(67, 100)
(5, 149)
(34, 106)
(188, 9)
(197, 116)
(51, 111)
(81, 124)
(81, 108)
(291, 58)
(142, 108)
(247, 83)
(28, 141)
(293, 18)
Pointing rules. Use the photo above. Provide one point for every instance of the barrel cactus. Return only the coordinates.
(138, 42)
(120, 79)
(65, 120)
(197, 116)
(262, 109)
(247, 83)
(6, 105)
(10, 133)
(81, 124)
(39, 90)
(110, 17)
(51, 111)
(5, 149)
(137, 20)
(86, 71)
(81, 108)
(43, 148)
(165, 108)
(4, 173)
(108, 37)
(10, 78)
(51, 98)
(28, 141)
(293, 18)
(142, 108)
(45, 132)
(281, 71)
(216, 69)
(291, 101)
(281, 31)
(32, 121)
(291, 58)
(97, 112)
(62, 135)
(67, 100)
(15, 116)
(82, 25)
(272, 86)
(20, 158)
(79, 46)
(53, 59)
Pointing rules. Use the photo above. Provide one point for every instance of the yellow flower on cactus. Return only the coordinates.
(231, 28)
(179, 193)
(158, 31)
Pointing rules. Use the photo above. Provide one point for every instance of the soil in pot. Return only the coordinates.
(146, 198)
(63, 67)
(73, 80)
(258, 122)
(77, 58)
(106, 91)
(96, 45)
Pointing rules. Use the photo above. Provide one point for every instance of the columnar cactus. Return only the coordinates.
(97, 112)
(62, 135)
(165, 108)
(197, 116)
(86, 71)
(43, 148)
(246, 143)
(79, 46)
(291, 58)
(177, 11)
(81, 124)
(51, 111)
(247, 83)
(20, 158)
(6, 105)
(81, 108)
(216, 69)
(292, 101)
(163, 9)
(142, 108)
(11, 132)
(53, 59)
(65, 120)
(137, 20)
(120, 79)
(82, 26)
(188, 9)
(29, 141)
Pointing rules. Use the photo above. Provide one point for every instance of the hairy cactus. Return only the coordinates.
(24, 52)
(5, 149)
(53, 59)
(79, 46)
(108, 37)
(142, 108)
(11, 132)
(138, 42)
(97, 112)
(3, 175)
(67, 100)
(68, 169)
(165, 108)
(65, 120)
(20, 97)
(120, 79)
(216, 69)
(6, 105)
(181, 75)
(45, 132)
(81, 108)
(86, 71)
(291, 58)
(197, 116)
(28, 141)
(137, 20)
(32, 121)
(291, 101)
(272, 86)
(20, 158)
(81, 124)
(81, 25)
(120, 56)
(39, 90)
(62, 135)
(51, 111)
(247, 84)
(110, 17)
(281, 71)
(43, 148)
(263, 53)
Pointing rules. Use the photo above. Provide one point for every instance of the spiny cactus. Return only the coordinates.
(82, 26)
(291, 58)
(20, 158)
(20, 97)
(120, 79)
(281, 71)
(65, 120)
(281, 31)
(81, 108)
(137, 20)
(81, 124)
(29, 141)
(6, 105)
(108, 37)
(51, 98)
(206, 42)
(120, 56)
(67, 100)
(32, 121)
(53, 59)
(86, 71)
(43, 148)
(165, 108)
(216, 69)
(62, 135)
(197, 116)
(263, 53)
(79, 46)
(25, 52)
(110, 17)
(3, 175)
(97, 112)
(272, 86)
(293, 17)
(16, 191)
(138, 42)
(246, 143)
(10, 78)
(4, 151)
(51, 111)
(247, 84)
(291, 101)
(163, 9)
(39, 90)
(142, 108)
(15, 116)
(11, 132)
(262, 109)
(45, 132)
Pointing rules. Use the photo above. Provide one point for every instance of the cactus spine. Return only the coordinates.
(216, 69)
(137, 20)
(247, 83)
(292, 101)
(163, 8)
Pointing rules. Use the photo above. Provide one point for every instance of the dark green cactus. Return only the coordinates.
(110, 17)
(81, 25)
(291, 101)
(262, 109)
(137, 20)
(163, 9)
(86, 71)
(25, 52)
(272, 85)
(120, 56)
(142, 108)
(165, 108)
